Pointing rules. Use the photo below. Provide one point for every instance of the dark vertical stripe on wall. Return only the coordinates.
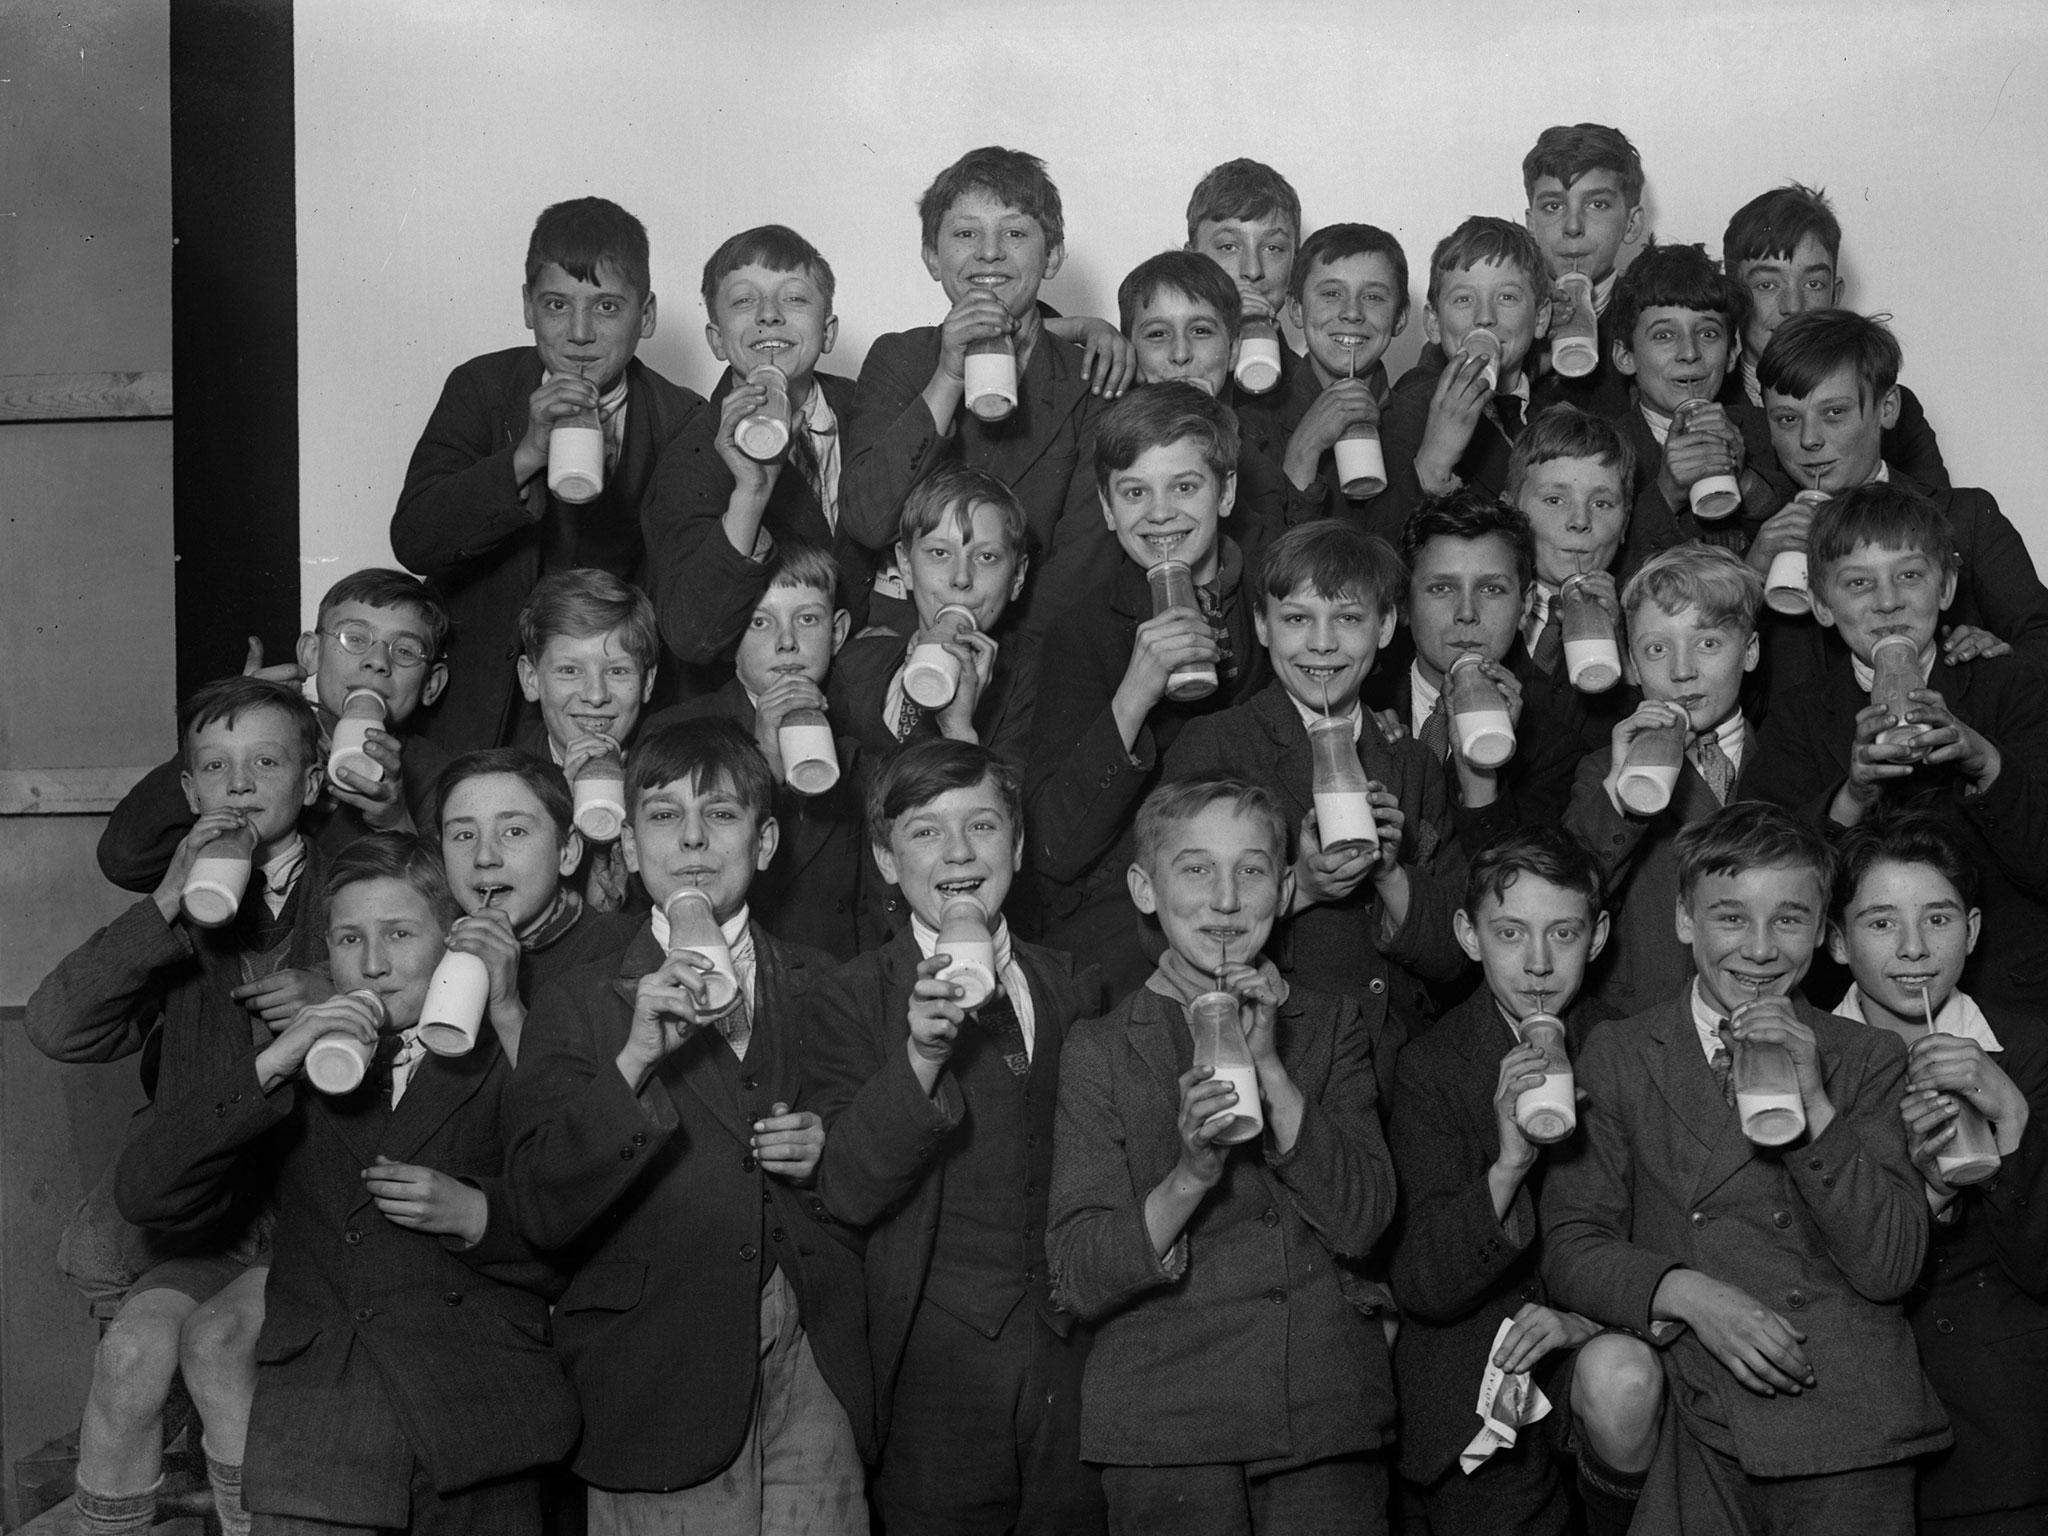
(234, 333)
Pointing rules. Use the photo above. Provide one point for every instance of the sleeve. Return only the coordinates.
(1794, 768)
(2013, 1203)
(142, 835)
(173, 1174)
(702, 588)
(103, 997)
(1403, 422)
(2010, 598)
(1338, 1174)
(2012, 815)
(1082, 787)
(1082, 548)
(1911, 448)
(1436, 859)
(891, 439)
(1609, 835)
(1539, 789)
(459, 500)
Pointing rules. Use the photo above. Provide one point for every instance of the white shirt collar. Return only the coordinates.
(1960, 1015)
(1422, 696)
(1603, 291)
(1706, 1022)
(1750, 384)
(1659, 422)
(281, 872)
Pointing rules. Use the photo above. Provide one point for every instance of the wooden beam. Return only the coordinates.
(64, 791)
(85, 396)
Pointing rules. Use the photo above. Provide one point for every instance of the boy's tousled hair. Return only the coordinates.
(1482, 239)
(774, 246)
(547, 782)
(1885, 514)
(1160, 414)
(1751, 834)
(401, 856)
(1569, 152)
(1720, 583)
(1901, 837)
(955, 489)
(1471, 513)
(1808, 347)
(1180, 800)
(1565, 432)
(586, 233)
(1333, 560)
(578, 604)
(1187, 273)
(1007, 175)
(1547, 852)
(798, 563)
(1770, 226)
(1341, 242)
(1245, 190)
(379, 586)
(1675, 277)
(704, 753)
(227, 701)
(920, 773)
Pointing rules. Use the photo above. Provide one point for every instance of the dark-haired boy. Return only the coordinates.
(1246, 218)
(1164, 472)
(403, 1379)
(1784, 247)
(768, 298)
(376, 630)
(476, 513)
(1468, 1247)
(1585, 189)
(651, 1143)
(939, 1142)
(1770, 1276)
(993, 232)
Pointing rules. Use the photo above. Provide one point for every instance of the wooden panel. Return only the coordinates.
(84, 396)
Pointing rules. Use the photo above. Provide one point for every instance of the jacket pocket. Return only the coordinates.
(280, 1342)
(614, 1286)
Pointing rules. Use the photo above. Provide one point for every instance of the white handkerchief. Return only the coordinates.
(1507, 1402)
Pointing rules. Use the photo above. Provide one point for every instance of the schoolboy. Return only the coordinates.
(939, 1145)
(781, 664)
(1691, 641)
(1467, 1250)
(378, 630)
(1181, 314)
(1163, 468)
(1784, 248)
(1904, 922)
(1571, 475)
(404, 1378)
(1176, 1245)
(1676, 330)
(1771, 1278)
(1881, 561)
(993, 232)
(1370, 921)
(1830, 384)
(651, 1143)
(195, 1000)
(1246, 218)
(589, 655)
(476, 513)
(1445, 425)
(768, 296)
(1585, 189)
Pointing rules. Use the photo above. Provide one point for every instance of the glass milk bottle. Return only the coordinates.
(1713, 497)
(576, 456)
(600, 796)
(1575, 338)
(932, 674)
(1220, 1045)
(1592, 655)
(1548, 1112)
(1484, 345)
(457, 995)
(1650, 771)
(219, 877)
(1361, 463)
(763, 433)
(1785, 588)
(1257, 369)
(1343, 810)
(1480, 722)
(970, 951)
(361, 713)
(810, 759)
(1767, 1093)
(990, 374)
(693, 930)
(1173, 586)
(1971, 1156)
(337, 1062)
(1895, 673)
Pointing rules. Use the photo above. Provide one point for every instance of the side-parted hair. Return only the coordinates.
(1243, 189)
(1901, 837)
(1675, 277)
(704, 753)
(920, 773)
(578, 604)
(1548, 853)
(1181, 800)
(1188, 273)
(1886, 515)
(954, 490)
(1340, 242)
(1482, 239)
(1334, 560)
(1566, 432)
(797, 563)
(585, 233)
(1720, 583)
(401, 856)
(1569, 152)
(1770, 226)
(774, 246)
(547, 782)
(1161, 414)
(227, 701)
(1751, 834)
(1808, 347)
(381, 587)
(1470, 513)
(1007, 175)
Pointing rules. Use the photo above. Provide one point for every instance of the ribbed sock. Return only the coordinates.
(117, 1514)
(1609, 1496)
(226, 1477)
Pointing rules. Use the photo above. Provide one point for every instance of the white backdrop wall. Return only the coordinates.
(430, 132)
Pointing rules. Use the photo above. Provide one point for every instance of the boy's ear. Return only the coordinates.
(1108, 517)
(1432, 327)
(1948, 590)
(627, 846)
(931, 261)
(1624, 358)
(1752, 652)
(1259, 622)
(1294, 314)
(1467, 935)
(1599, 941)
(529, 679)
(1286, 887)
(1055, 258)
(1975, 921)
(842, 626)
(1229, 497)
(437, 679)
(1888, 407)
(1142, 894)
(714, 338)
(1024, 569)
(885, 861)
(526, 305)
(647, 683)
(1401, 317)
(1632, 231)
(1683, 922)
(1017, 853)
(316, 775)
(647, 318)
(1387, 621)
(308, 653)
(1823, 615)
(766, 839)
(1540, 290)
(831, 334)
(192, 793)
(572, 853)
(1838, 946)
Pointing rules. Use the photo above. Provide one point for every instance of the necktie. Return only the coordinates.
(392, 1065)
(1219, 626)
(1436, 730)
(606, 884)
(737, 1025)
(1550, 643)
(608, 419)
(907, 716)
(999, 1019)
(1723, 1067)
(1509, 409)
(1714, 766)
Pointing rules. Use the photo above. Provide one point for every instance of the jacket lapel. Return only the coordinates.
(1289, 737)
(1153, 1020)
(640, 957)
(1687, 1085)
(440, 1086)
(1051, 385)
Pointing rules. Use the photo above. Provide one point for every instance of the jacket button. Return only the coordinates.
(352, 1237)
(1699, 1218)
(748, 1253)
(1528, 1293)
(1277, 1296)
(364, 1314)
(625, 1154)
(1271, 1218)
(1827, 1181)
(220, 1111)
(1796, 1300)
(1943, 1325)
(1031, 1277)
(639, 1138)
(452, 1298)
(750, 1083)
(767, 1196)
(235, 1097)
(1376, 986)
(747, 1163)
(1781, 1219)
(776, 1235)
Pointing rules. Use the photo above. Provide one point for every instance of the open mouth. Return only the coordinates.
(1162, 545)
(492, 893)
(965, 886)
(1351, 341)
(989, 279)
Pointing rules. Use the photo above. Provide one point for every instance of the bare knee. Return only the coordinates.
(135, 1361)
(1618, 1397)
(219, 1345)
